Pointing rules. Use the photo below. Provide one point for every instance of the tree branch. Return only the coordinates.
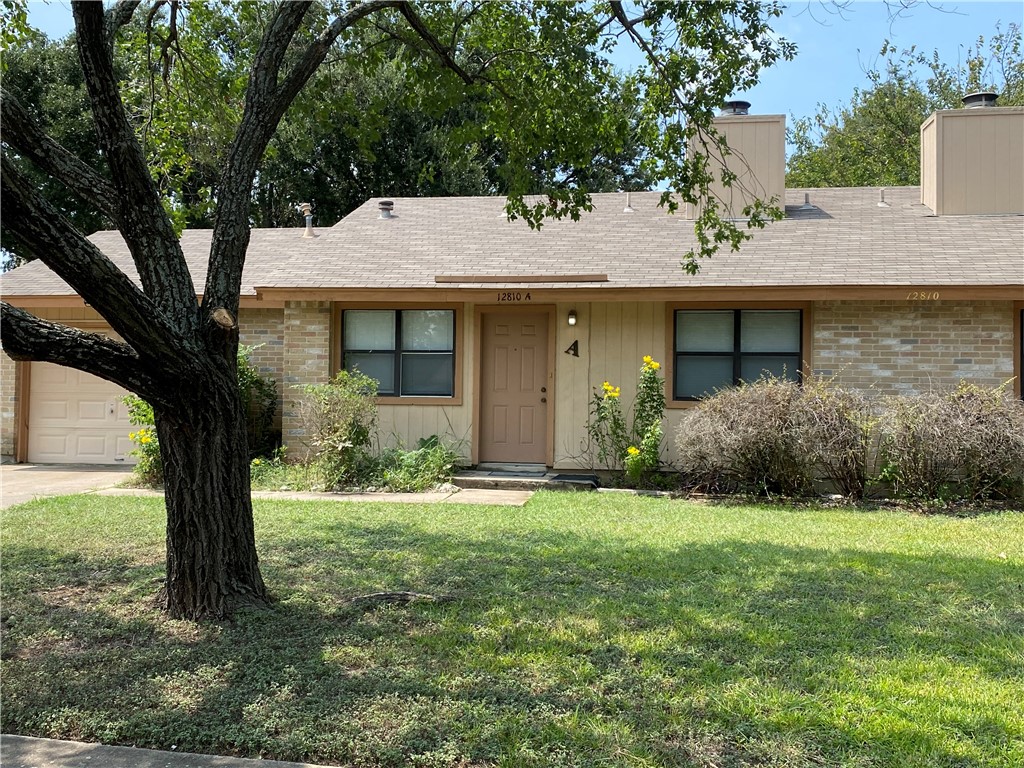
(146, 227)
(267, 99)
(61, 247)
(417, 23)
(25, 135)
(27, 337)
(116, 17)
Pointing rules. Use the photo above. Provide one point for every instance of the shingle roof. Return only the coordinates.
(847, 239)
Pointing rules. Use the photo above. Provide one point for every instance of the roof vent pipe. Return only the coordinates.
(386, 207)
(980, 99)
(881, 199)
(807, 203)
(628, 208)
(307, 211)
(735, 108)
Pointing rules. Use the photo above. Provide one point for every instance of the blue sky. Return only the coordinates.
(834, 52)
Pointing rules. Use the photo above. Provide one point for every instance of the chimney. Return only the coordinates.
(757, 155)
(307, 211)
(980, 100)
(972, 159)
(386, 207)
(735, 108)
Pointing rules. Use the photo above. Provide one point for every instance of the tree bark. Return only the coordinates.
(212, 565)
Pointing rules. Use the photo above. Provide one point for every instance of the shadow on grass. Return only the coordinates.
(558, 649)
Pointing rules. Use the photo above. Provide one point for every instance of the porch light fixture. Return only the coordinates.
(572, 317)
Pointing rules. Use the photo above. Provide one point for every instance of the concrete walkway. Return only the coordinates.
(23, 482)
(27, 752)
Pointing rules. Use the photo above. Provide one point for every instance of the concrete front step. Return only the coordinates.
(502, 480)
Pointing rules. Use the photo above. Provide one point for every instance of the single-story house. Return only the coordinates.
(496, 336)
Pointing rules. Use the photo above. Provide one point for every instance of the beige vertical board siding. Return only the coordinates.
(893, 347)
(929, 167)
(613, 339)
(757, 156)
(407, 423)
(972, 151)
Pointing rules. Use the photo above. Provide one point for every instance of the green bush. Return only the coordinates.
(339, 419)
(430, 465)
(259, 403)
(149, 469)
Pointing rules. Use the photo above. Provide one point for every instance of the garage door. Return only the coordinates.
(75, 418)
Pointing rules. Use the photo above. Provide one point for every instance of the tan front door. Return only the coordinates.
(513, 387)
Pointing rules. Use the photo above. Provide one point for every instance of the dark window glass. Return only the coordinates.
(720, 348)
(409, 352)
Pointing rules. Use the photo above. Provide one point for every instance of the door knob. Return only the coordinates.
(543, 399)
(543, 389)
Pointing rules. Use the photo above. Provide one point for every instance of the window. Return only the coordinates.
(410, 352)
(722, 347)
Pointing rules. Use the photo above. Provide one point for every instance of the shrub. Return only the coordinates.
(149, 470)
(634, 443)
(259, 403)
(968, 443)
(834, 433)
(340, 421)
(744, 439)
(430, 465)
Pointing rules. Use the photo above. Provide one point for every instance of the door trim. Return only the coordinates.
(537, 309)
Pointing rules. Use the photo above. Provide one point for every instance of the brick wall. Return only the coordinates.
(264, 330)
(897, 347)
(8, 403)
(307, 331)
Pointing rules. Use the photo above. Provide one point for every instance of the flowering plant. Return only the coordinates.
(633, 443)
(149, 469)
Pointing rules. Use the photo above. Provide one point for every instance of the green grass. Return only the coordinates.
(585, 630)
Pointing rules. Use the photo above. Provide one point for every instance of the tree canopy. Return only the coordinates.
(874, 140)
(185, 102)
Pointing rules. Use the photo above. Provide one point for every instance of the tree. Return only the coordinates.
(537, 73)
(875, 140)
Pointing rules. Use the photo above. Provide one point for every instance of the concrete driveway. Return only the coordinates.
(23, 482)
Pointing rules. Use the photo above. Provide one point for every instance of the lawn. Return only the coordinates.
(582, 630)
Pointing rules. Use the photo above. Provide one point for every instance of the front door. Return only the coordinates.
(513, 387)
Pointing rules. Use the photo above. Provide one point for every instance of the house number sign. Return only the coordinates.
(513, 296)
(923, 296)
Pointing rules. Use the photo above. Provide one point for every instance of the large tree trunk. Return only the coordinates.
(212, 567)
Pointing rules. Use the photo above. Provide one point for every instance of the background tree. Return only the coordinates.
(535, 71)
(875, 139)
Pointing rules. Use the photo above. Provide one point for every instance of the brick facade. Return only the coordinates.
(898, 347)
(264, 330)
(8, 405)
(307, 332)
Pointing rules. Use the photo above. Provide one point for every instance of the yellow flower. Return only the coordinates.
(145, 439)
(256, 462)
(606, 387)
(131, 435)
(633, 450)
(655, 365)
(648, 359)
(613, 392)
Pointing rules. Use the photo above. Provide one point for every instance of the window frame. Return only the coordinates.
(1018, 349)
(804, 354)
(338, 348)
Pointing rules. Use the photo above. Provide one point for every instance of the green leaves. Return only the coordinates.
(874, 140)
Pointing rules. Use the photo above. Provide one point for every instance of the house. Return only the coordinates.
(496, 335)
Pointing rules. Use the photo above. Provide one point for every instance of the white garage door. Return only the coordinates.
(75, 418)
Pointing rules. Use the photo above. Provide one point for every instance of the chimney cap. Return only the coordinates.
(980, 99)
(735, 107)
(386, 205)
